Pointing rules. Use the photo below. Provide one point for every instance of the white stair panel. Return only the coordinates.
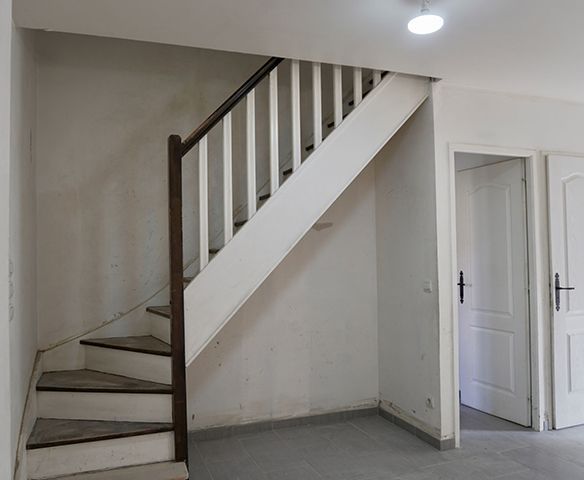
(155, 471)
(155, 368)
(127, 407)
(63, 460)
(160, 327)
(214, 296)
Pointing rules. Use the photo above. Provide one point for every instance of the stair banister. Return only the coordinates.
(177, 149)
(230, 104)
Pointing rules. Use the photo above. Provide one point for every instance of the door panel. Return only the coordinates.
(566, 200)
(493, 320)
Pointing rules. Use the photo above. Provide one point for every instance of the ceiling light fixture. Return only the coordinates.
(425, 23)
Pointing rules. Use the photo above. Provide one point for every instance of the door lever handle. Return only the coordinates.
(461, 286)
(558, 289)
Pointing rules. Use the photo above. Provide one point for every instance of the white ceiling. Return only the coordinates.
(534, 47)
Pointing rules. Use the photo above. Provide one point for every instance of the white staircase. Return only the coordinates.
(124, 415)
(223, 285)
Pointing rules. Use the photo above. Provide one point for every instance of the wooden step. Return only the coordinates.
(142, 344)
(241, 223)
(50, 432)
(154, 471)
(287, 172)
(96, 382)
(264, 197)
(162, 310)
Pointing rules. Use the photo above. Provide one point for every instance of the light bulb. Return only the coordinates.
(426, 22)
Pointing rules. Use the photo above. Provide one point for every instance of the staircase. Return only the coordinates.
(124, 416)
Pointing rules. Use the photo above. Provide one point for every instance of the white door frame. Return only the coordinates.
(538, 277)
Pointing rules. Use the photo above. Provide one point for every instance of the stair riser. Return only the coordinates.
(129, 407)
(160, 327)
(144, 366)
(156, 471)
(86, 457)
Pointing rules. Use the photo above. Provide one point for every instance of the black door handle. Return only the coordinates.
(558, 289)
(461, 286)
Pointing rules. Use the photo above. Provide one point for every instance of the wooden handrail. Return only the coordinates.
(229, 104)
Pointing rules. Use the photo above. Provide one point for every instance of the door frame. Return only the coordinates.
(538, 277)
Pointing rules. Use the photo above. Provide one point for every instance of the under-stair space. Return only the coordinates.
(123, 415)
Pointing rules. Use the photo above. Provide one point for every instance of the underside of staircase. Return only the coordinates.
(124, 415)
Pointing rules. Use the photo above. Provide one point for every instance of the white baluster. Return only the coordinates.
(338, 94)
(274, 142)
(295, 88)
(317, 103)
(227, 180)
(203, 204)
(357, 86)
(376, 77)
(251, 155)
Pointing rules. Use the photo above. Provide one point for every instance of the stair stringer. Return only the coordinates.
(219, 290)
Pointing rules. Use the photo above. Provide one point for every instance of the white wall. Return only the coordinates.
(105, 109)
(5, 77)
(465, 161)
(306, 341)
(23, 313)
(465, 116)
(406, 259)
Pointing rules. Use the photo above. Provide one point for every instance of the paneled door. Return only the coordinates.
(493, 290)
(566, 217)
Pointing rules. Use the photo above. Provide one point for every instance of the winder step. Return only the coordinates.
(161, 310)
(89, 381)
(50, 432)
(142, 344)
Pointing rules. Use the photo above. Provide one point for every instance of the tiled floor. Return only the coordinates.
(370, 448)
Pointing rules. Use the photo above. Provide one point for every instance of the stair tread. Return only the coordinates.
(163, 310)
(92, 381)
(141, 344)
(51, 432)
(157, 471)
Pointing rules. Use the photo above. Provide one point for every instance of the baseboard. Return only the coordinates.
(216, 433)
(438, 443)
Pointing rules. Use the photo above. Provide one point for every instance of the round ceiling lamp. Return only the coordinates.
(425, 23)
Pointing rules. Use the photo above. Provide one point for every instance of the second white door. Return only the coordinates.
(566, 199)
(493, 315)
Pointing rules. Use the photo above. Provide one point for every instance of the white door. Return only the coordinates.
(566, 214)
(493, 318)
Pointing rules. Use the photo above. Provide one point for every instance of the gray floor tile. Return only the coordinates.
(370, 448)
(240, 469)
(546, 463)
(224, 450)
(301, 471)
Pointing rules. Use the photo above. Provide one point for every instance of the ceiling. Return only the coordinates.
(535, 47)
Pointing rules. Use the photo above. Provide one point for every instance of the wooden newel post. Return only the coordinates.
(179, 404)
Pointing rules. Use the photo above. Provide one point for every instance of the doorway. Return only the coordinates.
(493, 285)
